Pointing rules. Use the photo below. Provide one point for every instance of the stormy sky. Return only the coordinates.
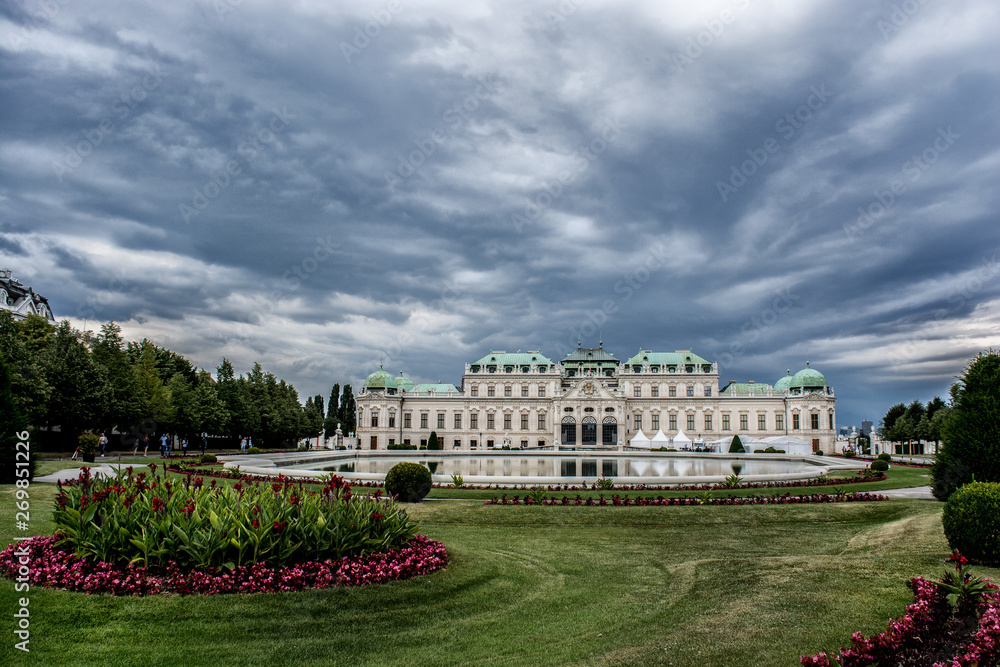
(323, 187)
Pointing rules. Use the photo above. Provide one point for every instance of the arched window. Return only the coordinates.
(609, 435)
(589, 435)
(569, 431)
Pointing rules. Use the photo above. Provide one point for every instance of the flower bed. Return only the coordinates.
(617, 501)
(48, 565)
(937, 630)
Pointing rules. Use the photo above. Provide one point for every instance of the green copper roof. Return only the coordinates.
(782, 384)
(501, 358)
(808, 377)
(380, 379)
(679, 358)
(435, 388)
(404, 384)
(756, 388)
(589, 354)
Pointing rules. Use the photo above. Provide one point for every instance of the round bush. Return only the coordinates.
(408, 482)
(254, 450)
(209, 458)
(884, 456)
(879, 465)
(819, 452)
(971, 522)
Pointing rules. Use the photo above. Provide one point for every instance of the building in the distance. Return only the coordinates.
(591, 399)
(21, 301)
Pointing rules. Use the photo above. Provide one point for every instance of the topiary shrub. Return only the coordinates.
(408, 482)
(209, 458)
(848, 453)
(254, 450)
(770, 450)
(879, 465)
(971, 522)
(884, 456)
(736, 446)
(819, 452)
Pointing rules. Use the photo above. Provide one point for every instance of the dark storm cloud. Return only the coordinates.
(766, 183)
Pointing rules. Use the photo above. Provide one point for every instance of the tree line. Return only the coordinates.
(914, 422)
(80, 381)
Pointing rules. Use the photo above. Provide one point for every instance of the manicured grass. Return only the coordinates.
(703, 585)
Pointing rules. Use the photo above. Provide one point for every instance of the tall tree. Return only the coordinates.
(886, 428)
(24, 353)
(333, 412)
(12, 424)
(348, 411)
(120, 398)
(76, 384)
(971, 435)
(312, 418)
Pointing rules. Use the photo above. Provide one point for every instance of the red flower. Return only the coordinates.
(377, 516)
(158, 504)
(280, 526)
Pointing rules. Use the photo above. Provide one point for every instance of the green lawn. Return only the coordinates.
(704, 585)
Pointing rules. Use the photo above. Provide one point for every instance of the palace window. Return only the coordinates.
(655, 426)
(374, 419)
(392, 420)
(637, 391)
(638, 422)
(541, 422)
(691, 423)
(423, 420)
(506, 421)
(506, 391)
(795, 421)
(524, 422)
(656, 391)
(541, 391)
(407, 420)
(814, 421)
(779, 422)
(524, 391)
(708, 422)
(831, 421)
(474, 420)
(440, 420)
(490, 424)
(474, 390)
(672, 391)
(744, 423)
(708, 391)
(690, 389)
(673, 423)
(491, 391)
(458, 420)
(761, 422)
(725, 422)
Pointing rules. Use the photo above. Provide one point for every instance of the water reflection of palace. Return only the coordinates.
(591, 400)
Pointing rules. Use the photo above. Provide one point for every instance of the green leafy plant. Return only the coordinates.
(878, 465)
(408, 482)
(457, 481)
(209, 458)
(963, 590)
(705, 498)
(606, 483)
(537, 494)
(254, 450)
(88, 443)
(848, 453)
(732, 480)
(971, 521)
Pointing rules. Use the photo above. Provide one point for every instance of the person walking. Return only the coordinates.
(184, 446)
(145, 443)
(102, 442)
(243, 446)
(164, 446)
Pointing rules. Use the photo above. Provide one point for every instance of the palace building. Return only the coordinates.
(592, 399)
(21, 301)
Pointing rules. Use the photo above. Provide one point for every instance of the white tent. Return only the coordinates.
(640, 440)
(680, 440)
(659, 440)
(789, 443)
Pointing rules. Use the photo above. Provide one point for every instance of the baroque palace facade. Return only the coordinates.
(591, 399)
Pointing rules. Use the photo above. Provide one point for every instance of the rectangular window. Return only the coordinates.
(541, 391)
(474, 420)
(541, 422)
(440, 420)
(831, 422)
(506, 391)
(637, 391)
(691, 390)
(725, 422)
(407, 420)
(795, 422)
(672, 391)
(638, 422)
(506, 422)
(673, 422)
(691, 423)
(814, 421)
(524, 391)
(423, 420)
(779, 422)
(708, 422)
(744, 423)
(524, 421)
(392, 420)
(458, 420)
(474, 390)
(490, 424)
(655, 426)
(708, 391)
(761, 422)
(374, 419)
(491, 391)
(656, 391)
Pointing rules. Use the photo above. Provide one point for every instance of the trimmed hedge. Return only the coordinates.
(408, 482)
(971, 522)
(884, 456)
(879, 465)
